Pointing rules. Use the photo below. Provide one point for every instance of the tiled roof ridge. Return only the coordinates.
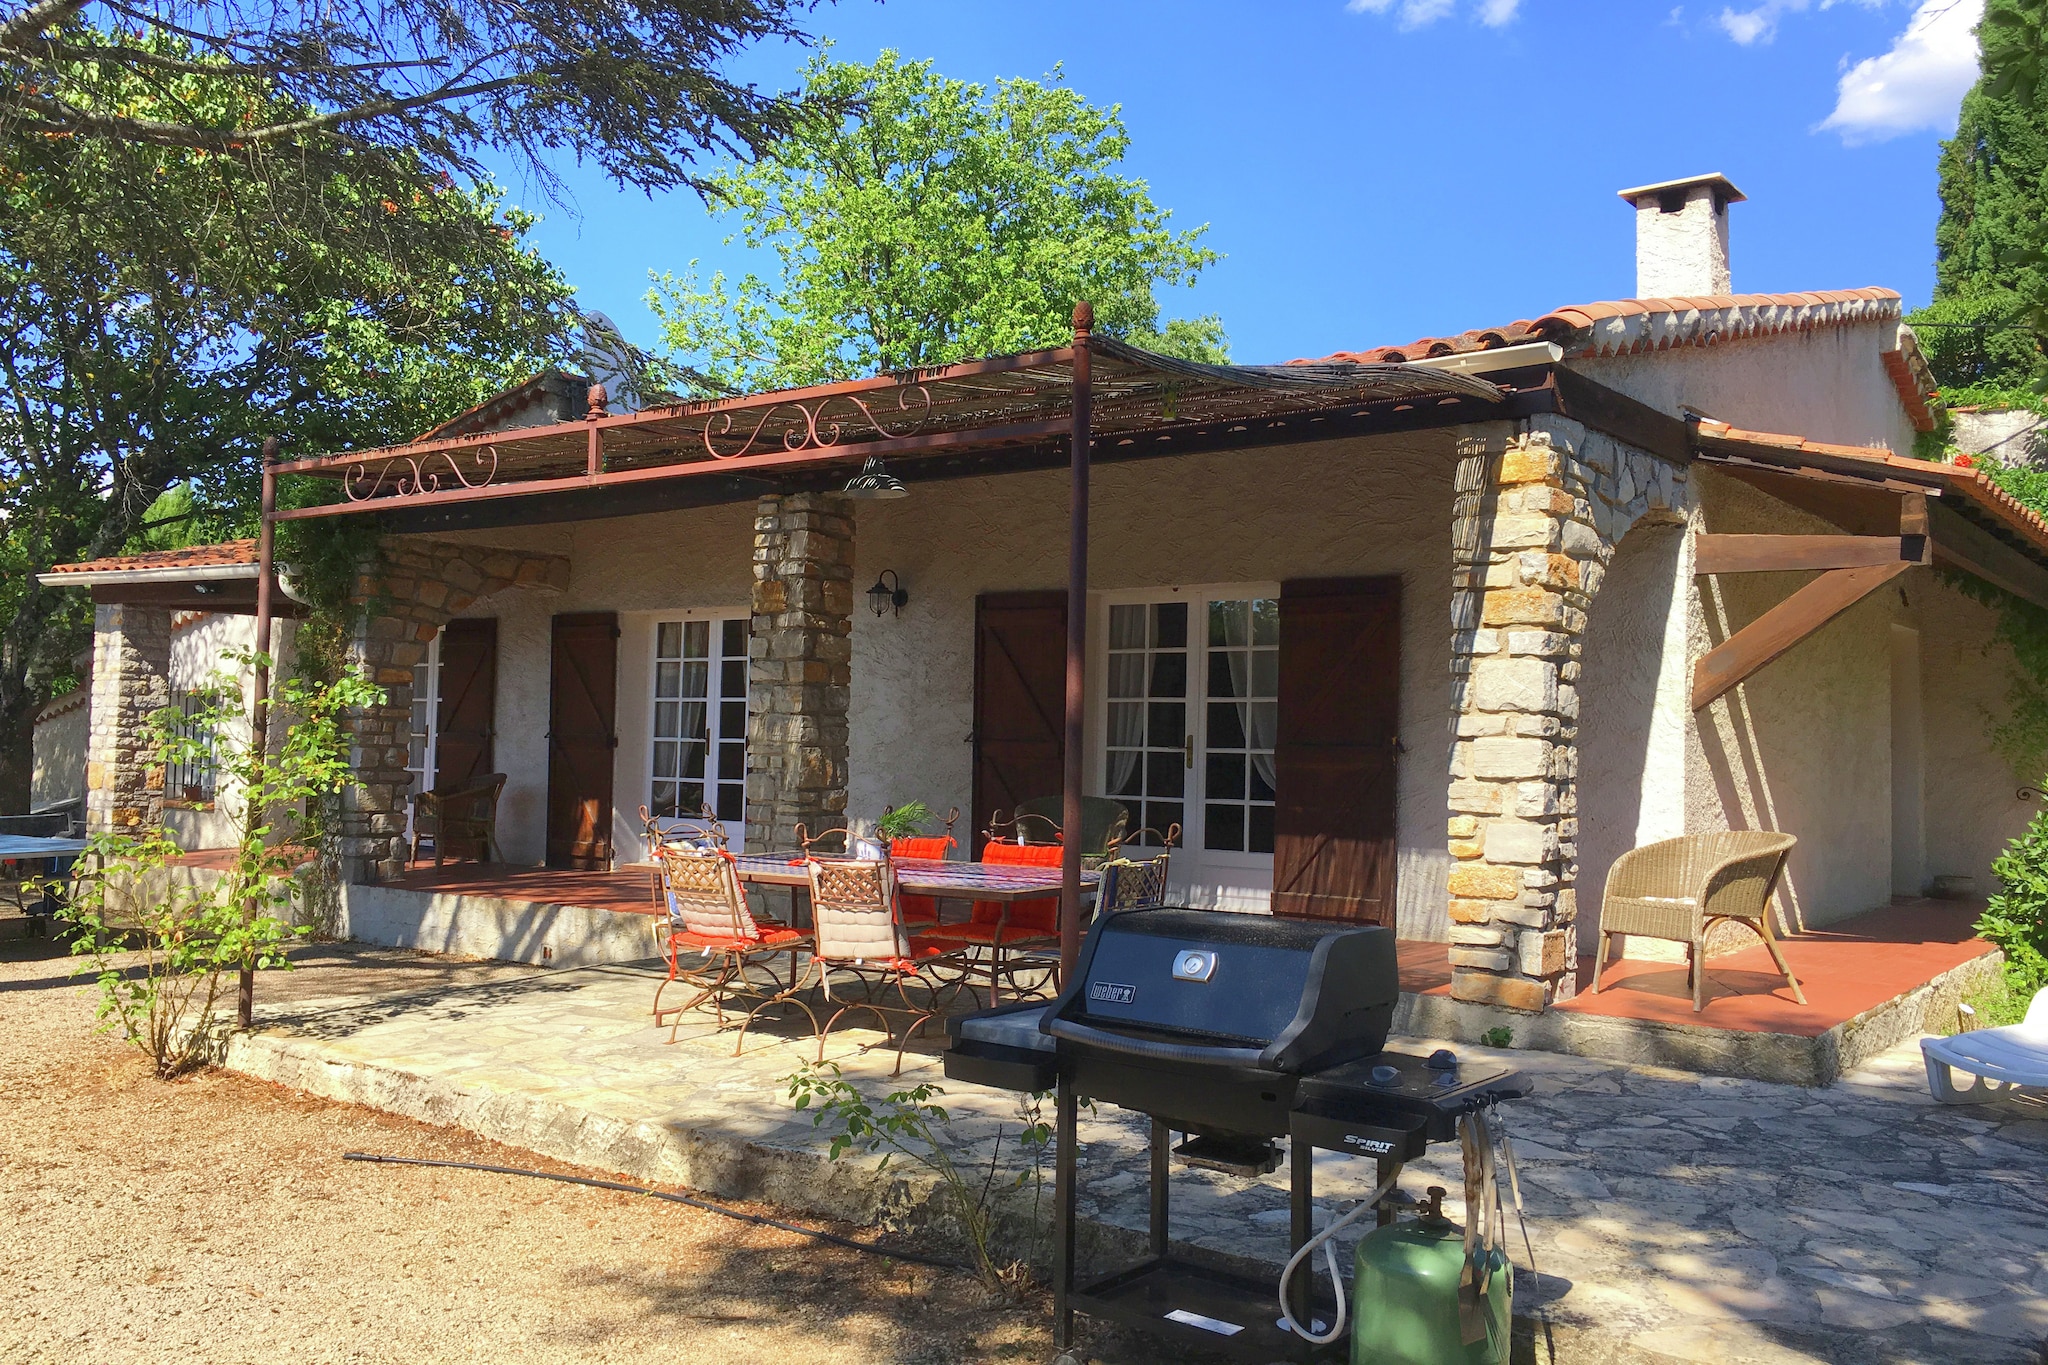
(226, 552)
(1973, 483)
(64, 705)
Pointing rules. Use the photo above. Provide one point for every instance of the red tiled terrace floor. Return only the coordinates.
(1846, 968)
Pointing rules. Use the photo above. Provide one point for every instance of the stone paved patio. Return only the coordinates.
(1674, 1216)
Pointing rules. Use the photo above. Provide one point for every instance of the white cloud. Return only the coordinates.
(1419, 13)
(1917, 84)
(1759, 23)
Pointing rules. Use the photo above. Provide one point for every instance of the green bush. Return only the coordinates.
(2016, 919)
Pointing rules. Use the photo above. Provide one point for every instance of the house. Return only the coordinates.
(1424, 635)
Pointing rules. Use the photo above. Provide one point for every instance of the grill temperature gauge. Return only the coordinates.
(1193, 965)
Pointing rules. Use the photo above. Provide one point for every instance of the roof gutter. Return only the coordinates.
(195, 574)
(1490, 361)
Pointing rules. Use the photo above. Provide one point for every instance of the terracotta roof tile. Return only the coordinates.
(191, 557)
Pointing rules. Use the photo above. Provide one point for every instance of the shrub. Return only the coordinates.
(2016, 919)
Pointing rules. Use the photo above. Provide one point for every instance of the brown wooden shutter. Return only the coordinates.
(582, 734)
(466, 724)
(1020, 700)
(1334, 761)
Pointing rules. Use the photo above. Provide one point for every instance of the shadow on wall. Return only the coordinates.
(1632, 711)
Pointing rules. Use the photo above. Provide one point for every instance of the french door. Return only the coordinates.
(1189, 703)
(699, 756)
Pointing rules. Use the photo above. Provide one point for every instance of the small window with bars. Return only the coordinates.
(194, 778)
(700, 718)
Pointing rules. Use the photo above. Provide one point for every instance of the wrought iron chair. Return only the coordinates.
(923, 909)
(708, 915)
(1680, 888)
(1136, 883)
(998, 933)
(858, 929)
(466, 814)
(702, 830)
(1037, 821)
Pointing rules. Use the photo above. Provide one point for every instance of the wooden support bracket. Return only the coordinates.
(1719, 554)
(1785, 625)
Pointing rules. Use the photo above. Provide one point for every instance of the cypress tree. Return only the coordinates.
(1985, 330)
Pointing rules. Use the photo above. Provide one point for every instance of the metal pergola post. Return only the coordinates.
(1077, 646)
(259, 705)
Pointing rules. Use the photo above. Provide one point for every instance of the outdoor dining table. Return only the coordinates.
(940, 878)
(53, 853)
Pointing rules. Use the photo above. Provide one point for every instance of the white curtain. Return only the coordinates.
(1259, 720)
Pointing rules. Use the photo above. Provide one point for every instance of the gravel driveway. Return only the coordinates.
(214, 1220)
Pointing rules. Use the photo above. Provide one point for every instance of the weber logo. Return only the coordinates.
(1377, 1146)
(1110, 993)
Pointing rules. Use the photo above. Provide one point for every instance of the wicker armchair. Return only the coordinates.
(1680, 888)
(1037, 821)
(466, 815)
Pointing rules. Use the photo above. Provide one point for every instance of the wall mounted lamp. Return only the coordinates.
(888, 592)
(875, 482)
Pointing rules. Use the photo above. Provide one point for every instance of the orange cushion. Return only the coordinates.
(1035, 916)
(984, 934)
(920, 909)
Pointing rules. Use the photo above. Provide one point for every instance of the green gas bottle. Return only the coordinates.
(1406, 1307)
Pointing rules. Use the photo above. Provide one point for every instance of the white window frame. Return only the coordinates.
(1219, 878)
(426, 693)
(715, 617)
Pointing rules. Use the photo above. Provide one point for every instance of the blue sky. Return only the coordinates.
(1396, 168)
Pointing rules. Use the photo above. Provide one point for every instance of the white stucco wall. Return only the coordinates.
(1634, 704)
(1342, 509)
(1971, 808)
(1826, 385)
(200, 656)
(57, 774)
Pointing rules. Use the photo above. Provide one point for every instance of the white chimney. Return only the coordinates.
(1682, 236)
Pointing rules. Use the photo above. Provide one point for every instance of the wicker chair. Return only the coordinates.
(1038, 822)
(1136, 883)
(708, 916)
(466, 814)
(1680, 888)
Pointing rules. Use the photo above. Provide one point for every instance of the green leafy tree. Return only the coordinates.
(164, 950)
(936, 221)
(1984, 329)
(166, 310)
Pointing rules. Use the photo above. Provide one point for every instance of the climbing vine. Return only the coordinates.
(327, 557)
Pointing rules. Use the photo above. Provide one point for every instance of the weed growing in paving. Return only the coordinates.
(191, 937)
(909, 1124)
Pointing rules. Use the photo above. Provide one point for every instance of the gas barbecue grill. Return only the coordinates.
(1235, 1030)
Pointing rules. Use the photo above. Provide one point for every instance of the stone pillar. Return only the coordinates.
(131, 678)
(800, 667)
(1524, 544)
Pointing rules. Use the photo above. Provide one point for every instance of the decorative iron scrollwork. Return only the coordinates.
(422, 478)
(827, 422)
(2030, 794)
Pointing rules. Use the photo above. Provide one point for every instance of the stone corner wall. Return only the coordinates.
(131, 679)
(1536, 522)
(799, 673)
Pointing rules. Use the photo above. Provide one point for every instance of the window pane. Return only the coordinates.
(1226, 726)
(1261, 832)
(696, 639)
(1266, 621)
(666, 717)
(1164, 775)
(1265, 672)
(1163, 815)
(689, 798)
(732, 801)
(693, 758)
(1222, 682)
(732, 761)
(664, 802)
(1225, 777)
(1126, 725)
(664, 760)
(1227, 623)
(668, 639)
(668, 680)
(1126, 675)
(1265, 719)
(732, 719)
(1223, 827)
(1261, 790)
(1127, 627)
(1167, 724)
(1169, 675)
(1131, 783)
(696, 678)
(1170, 625)
(732, 681)
(735, 638)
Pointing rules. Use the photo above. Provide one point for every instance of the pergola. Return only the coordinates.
(1094, 400)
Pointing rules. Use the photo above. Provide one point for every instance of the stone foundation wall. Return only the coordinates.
(1536, 524)
(131, 678)
(800, 670)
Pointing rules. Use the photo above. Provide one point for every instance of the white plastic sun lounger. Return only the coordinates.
(1998, 1058)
